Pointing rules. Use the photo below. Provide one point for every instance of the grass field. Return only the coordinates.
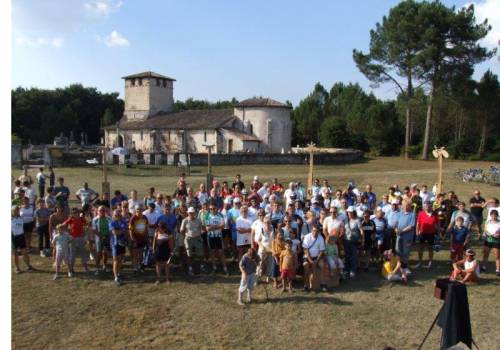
(201, 312)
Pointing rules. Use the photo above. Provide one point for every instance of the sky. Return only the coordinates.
(215, 49)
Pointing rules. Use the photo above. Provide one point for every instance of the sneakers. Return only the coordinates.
(305, 289)
(96, 272)
(30, 268)
(429, 265)
(352, 274)
(91, 256)
(323, 288)
(190, 271)
(42, 254)
(70, 274)
(18, 271)
(483, 268)
(56, 276)
(157, 283)
(240, 302)
(417, 266)
(117, 281)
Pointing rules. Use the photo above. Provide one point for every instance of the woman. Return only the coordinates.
(469, 272)
(87, 214)
(119, 230)
(278, 245)
(162, 247)
(265, 240)
(18, 239)
(138, 229)
(492, 232)
(27, 212)
(308, 224)
(352, 239)
(55, 219)
(276, 214)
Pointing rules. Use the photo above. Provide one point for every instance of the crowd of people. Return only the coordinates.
(268, 230)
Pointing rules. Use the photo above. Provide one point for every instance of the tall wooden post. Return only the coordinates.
(311, 148)
(105, 184)
(439, 153)
(209, 164)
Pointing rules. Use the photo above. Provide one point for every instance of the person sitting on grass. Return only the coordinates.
(332, 256)
(466, 270)
(288, 265)
(460, 236)
(248, 267)
(162, 247)
(61, 242)
(392, 269)
(314, 250)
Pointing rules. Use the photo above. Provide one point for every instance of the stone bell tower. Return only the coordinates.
(147, 94)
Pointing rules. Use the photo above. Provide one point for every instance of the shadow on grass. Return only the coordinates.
(304, 298)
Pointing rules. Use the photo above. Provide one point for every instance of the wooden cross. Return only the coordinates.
(439, 153)
(209, 163)
(311, 147)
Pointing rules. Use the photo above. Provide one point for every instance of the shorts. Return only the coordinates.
(403, 245)
(117, 250)
(62, 256)
(368, 243)
(335, 263)
(226, 233)
(379, 238)
(162, 251)
(194, 246)
(139, 243)
(19, 241)
(204, 237)
(288, 274)
(234, 234)
(306, 262)
(179, 240)
(492, 244)
(477, 219)
(102, 243)
(28, 227)
(215, 243)
(458, 249)
(77, 249)
(248, 282)
(426, 238)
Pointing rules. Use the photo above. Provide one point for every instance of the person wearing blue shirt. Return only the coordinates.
(168, 218)
(371, 198)
(392, 221)
(118, 199)
(405, 228)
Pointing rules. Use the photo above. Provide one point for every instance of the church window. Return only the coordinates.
(205, 136)
(157, 82)
(132, 82)
(250, 128)
(142, 135)
(140, 81)
(269, 131)
(164, 83)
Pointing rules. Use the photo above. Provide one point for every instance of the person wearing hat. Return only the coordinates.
(466, 270)
(256, 184)
(191, 228)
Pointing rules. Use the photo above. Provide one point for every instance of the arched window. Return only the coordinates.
(250, 128)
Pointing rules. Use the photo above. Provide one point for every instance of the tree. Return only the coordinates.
(488, 90)
(309, 115)
(108, 118)
(449, 47)
(394, 46)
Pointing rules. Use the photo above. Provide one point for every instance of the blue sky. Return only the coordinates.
(215, 49)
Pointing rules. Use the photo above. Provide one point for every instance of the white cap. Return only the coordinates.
(395, 201)
(350, 209)
(138, 206)
(314, 201)
(228, 200)
(256, 178)
(237, 200)
(191, 210)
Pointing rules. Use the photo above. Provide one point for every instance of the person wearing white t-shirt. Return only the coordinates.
(243, 231)
(333, 225)
(152, 215)
(426, 195)
(290, 194)
(258, 227)
(86, 195)
(18, 240)
(133, 201)
(314, 250)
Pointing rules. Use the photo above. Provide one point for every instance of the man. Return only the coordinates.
(257, 228)
(385, 205)
(25, 176)
(76, 226)
(427, 229)
(86, 195)
(101, 227)
(238, 182)
(40, 178)
(191, 229)
(315, 189)
(425, 194)
(371, 198)
(52, 177)
(168, 218)
(333, 225)
(138, 229)
(62, 194)
(404, 229)
(104, 201)
(243, 229)
(256, 184)
(50, 199)
(152, 215)
(462, 213)
(214, 225)
(392, 221)
(314, 250)
(202, 194)
(290, 194)
(477, 204)
(118, 199)
(264, 190)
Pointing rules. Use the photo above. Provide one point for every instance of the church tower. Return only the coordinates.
(147, 94)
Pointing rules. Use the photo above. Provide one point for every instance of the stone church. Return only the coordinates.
(150, 125)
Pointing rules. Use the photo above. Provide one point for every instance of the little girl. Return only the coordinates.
(61, 241)
(332, 256)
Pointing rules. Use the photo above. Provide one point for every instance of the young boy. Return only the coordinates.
(248, 267)
(61, 241)
(460, 236)
(288, 266)
(332, 256)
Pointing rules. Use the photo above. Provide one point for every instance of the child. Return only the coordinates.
(277, 247)
(469, 272)
(392, 268)
(61, 241)
(288, 265)
(162, 246)
(248, 267)
(460, 236)
(332, 256)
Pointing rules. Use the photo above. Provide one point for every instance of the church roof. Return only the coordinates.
(262, 102)
(240, 134)
(192, 119)
(147, 74)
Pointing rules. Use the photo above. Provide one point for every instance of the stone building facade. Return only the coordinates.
(149, 124)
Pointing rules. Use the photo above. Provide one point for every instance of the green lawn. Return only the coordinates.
(201, 312)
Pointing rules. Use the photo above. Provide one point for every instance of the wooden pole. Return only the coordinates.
(105, 183)
(440, 173)
(311, 149)
(209, 164)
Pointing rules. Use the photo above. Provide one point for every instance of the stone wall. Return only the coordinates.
(16, 155)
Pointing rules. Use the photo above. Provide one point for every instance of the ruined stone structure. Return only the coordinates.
(149, 124)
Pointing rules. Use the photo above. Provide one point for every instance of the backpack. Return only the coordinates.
(148, 257)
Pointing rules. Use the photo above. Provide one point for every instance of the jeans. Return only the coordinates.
(351, 255)
(403, 245)
(43, 237)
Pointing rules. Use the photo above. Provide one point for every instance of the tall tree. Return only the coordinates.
(449, 47)
(394, 46)
(309, 115)
(488, 90)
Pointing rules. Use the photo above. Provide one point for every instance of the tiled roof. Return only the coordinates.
(147, 74)
(262, 102)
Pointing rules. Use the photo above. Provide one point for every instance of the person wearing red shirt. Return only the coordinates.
(427, 229)
(76, 225)
(138, 227)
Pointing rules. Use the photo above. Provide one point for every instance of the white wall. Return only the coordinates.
(281, 126)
